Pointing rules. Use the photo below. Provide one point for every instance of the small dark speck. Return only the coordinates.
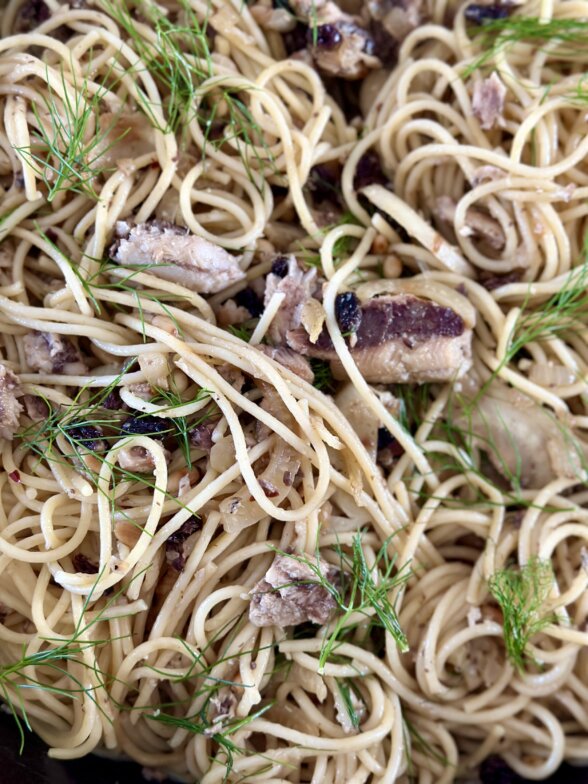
(280, 266)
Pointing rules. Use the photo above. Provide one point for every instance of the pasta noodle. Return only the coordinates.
(293, 386)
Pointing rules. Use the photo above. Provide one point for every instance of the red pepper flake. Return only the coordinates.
(15, 476)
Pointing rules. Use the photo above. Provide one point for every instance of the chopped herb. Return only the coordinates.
(522, 593)
(565, 311)
(420, 743)
(349, 696)
(172, 399)
(323, 376)
(180, 62)
(241, 331)
(16, 677)
(493, 37)
(70, 143)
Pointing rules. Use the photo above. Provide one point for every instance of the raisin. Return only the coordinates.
(280, 266)
(88, 436)
(478, 14)
(323, 182)
(35, 12)
(494, 770)
(325, 36)
(385, 438)
(348, 312)
(147, 426)
(112, 401)
(295, 40)
(249, 300)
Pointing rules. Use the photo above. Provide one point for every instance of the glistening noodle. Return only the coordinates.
(293, 387)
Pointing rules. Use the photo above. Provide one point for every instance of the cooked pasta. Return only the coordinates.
(293, 386)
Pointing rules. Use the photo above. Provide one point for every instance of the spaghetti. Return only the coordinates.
(293, 386)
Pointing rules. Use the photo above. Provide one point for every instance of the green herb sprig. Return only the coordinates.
(522, 594)
(69, 143)
(15, 677)
(179, 59)
(569, 35)
(323, 375)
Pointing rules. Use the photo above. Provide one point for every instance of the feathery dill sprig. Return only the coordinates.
(522, 593)
(107, 277)
(69, 141)
(361, 590)
(171, 399)
(178, 58)
(350, 695)
(241, 331)
(414, 402)
(323, 375)
(79, 435)
(220, 733)
(565, 311)
(420, 743)
(218, 729)
(14, 676)
(180, 61)
(569, 35)
(341, 248)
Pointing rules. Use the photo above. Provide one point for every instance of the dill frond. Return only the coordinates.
(417, 741)
(567, 37)
(16, 678)
(313, 22)
(105, 279)
(69, 142)
(241, 331)
(323, 376)
(62, 438)
(173, 399)
(565, 311)
(414, 402)
(180, 61)
(220, 733)
(348, 692)
(248, 137)
(341, 249)
(521, 593)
